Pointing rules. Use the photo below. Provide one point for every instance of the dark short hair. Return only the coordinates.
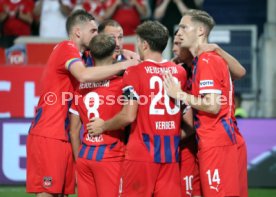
(77, 17)
(108, 22)
(102, 46)
(155, 34)
(202, 17)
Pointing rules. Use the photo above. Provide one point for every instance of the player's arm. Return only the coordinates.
(111, 9)
(75, 127)
(187, 128)
(130, 55)
(65, 9)
(236, 69)
(181, 6)
(25, 17)
(141, 8)
(160, 10)
(209, 103)
(93, 74)
(126, 116)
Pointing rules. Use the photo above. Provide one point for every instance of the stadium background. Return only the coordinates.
(245, 28)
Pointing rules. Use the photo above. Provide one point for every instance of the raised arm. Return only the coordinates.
(181, 6)
(111, 9)
(160, 10)
(141, 8)
(188, 123)
(207, 103)
(236, 69)
(126, 116)
(93, 74)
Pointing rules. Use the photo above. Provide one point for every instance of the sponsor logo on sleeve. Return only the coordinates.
(206, 83)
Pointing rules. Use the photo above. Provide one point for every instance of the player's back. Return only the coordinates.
(56, 88)
(101, 100)
(155, 133)
(211, 75)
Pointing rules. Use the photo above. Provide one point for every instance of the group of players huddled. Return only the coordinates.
(152, 127)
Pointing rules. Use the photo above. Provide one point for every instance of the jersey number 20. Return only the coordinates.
(156, 82)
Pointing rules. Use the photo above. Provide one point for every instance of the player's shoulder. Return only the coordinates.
(211, 59)
(116, 79)
(208, 57)
(66, 44)
(136, 68)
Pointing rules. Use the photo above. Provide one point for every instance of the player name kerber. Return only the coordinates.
(164, 125)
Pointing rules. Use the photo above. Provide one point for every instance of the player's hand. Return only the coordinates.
(129, 63)
(172, 87)
(131, 55)
(207, 48)
(95, 127)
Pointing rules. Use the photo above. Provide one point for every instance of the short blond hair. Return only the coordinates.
(202, 17)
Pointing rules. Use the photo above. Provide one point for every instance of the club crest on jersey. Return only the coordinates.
(206, 83)
(47, 181)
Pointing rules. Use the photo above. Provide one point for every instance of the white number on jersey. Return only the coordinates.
(213, 179)
(188, 180)
(96, 103)
(156, 82)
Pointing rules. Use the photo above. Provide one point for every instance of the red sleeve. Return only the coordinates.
(131, 83)
(69, 53)
(210, 74)
(73, 109)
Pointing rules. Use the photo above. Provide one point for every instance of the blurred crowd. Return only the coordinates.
(46, 18)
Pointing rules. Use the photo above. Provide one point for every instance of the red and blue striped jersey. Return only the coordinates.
(211, 75)
(100, 99)
(155, 134)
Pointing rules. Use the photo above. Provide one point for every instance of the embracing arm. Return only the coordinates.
(188, 123)
(236, 69)
(92, 74)
(75, 127)
(126, 116)
(210, 103)
(207, 103)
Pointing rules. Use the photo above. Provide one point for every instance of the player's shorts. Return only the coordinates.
(150, 179)
(98, 178)
(190, 179)
(219, 171)
(50, 166)
(242, 162)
